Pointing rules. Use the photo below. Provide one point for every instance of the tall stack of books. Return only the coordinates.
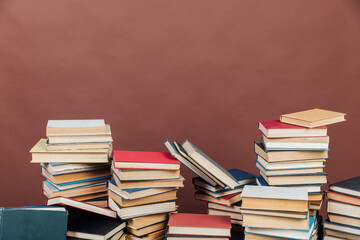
(187, 226)
(277, 213)
(293, 152)
(343, 208)
(143, 191)
(75, 159)
(220, 188)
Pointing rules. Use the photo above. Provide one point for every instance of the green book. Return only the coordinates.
(33, 223)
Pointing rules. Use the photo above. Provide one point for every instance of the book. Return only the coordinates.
(342, 228)
(50, 191)
(158, 235)
(277, 129)
(267, 221)
(232, 215)
(138, 175)
(81, 205)
(146, 230)
(274, 198)
(291, 165)
(63, 127)
(284, 233)
(77, 184)
(77, 176)
(33, 223)
(98, 201)
(313, 118)
(310, 188)
(162, 197)
(219, 193)
(233, 208)
(41, 155)
(93, 226)
(284, 156)
(349, 187)
(199, 224)
(285, 214)
(342, 235)
(206, 162)
(343, 209)
(77, 146)
(83, 138)
(224, 200)
(339, 197)
(179, 153)
(297, 144)
(142, 210)
(64, 168)
(135, 193)
(194, 237)
(144, 160)
(314, 178)
(141, 222)
(284, 172)
(346, 220)
(89, 196)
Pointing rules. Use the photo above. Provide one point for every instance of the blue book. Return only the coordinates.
(55, 187)
(342, 228)
(33, 223)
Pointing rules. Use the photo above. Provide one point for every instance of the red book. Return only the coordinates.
(144, 160)
(199, 224)
(277, 129)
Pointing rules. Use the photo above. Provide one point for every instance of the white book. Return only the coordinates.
(63, 127)
(288, 193)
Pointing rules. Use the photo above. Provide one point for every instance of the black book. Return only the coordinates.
(86, 225)
(350, 186)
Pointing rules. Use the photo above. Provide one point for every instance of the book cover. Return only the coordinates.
(144, 157)
(349, 186)
(274, 193)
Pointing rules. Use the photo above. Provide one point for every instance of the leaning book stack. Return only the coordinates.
(74, 159)
(343, 208)
(143, 191)
(277, 213)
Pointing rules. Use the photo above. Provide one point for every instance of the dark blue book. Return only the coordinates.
(33, 223)
(349, 186)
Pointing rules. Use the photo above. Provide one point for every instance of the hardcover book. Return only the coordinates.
(63, 127)
(349, 186)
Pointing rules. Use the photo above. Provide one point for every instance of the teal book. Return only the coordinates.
(33, 223)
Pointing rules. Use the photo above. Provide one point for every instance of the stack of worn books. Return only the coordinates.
(143, 191)
(277, 213)
(74, 159)
(343, 208)
(187, 226)
(220, 188)
(293, 151)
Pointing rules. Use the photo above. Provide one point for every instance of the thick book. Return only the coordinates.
(311, 188)
(50, 190)
(33, 223)
(199, 224)
(158, 235)
(77, 184)
(93, 226)
(41, 155)
(299, 179)
(177, 152)
(142, 210)
(296, 144)
(81, 205)
(141, 222)
(285, 156)
(277, 129)
(264, 221)
(346, 220)
(274, 198)
(284, 172)
(342, 228)
(339, 197)
(313, 118)
(140, 174)
(146, 230)
(144, 160)
(77, 176)
(64, 127)
(232, 215)
(233, 208)
(135, 193)
(292, 165)
(77, 146)
(65, 168)
(343, 209)
(83, 138)
(206, 162)
(224, 200)
(341, 235)
(275, 213)
(349, 186)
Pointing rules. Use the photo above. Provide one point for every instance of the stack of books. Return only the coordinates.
(143, 191)
(187, 226)
(277, 213)
(293, 151)
(220, 188)
(343, 208)
(74, 159)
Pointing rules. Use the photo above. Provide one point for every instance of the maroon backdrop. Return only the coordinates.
(202, 70)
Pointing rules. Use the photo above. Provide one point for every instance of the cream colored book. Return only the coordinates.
(313, 118)
(86, 126)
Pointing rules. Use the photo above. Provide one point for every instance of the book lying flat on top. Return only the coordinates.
(274, 198)
(277, 129)
(33, 223)
(297, 144)
(179, 153)
(349, 186)
(199, 224)
(92, 226)
(41, 155)
(83, 138)
(139, 174)
(144, 160)
(210, 165)
(81, 205)
(63, 127)
(283, 156)
(313, 118)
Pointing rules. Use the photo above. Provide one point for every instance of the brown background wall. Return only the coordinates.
(202, 70)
